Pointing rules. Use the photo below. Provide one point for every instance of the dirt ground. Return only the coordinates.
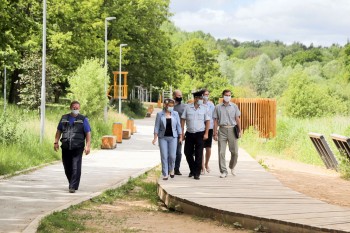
(141, 216)
(317, 182)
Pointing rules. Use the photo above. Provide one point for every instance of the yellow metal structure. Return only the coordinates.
(115, 86)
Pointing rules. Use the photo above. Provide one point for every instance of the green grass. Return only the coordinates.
(20, 146)
(68, 221)
(292, 141)
(144, 190)
(61, 222)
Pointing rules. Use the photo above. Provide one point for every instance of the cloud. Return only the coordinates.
(322, 22)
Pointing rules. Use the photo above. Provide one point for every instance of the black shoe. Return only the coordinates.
(190, 175)
(71, 190)
(172, 176)
(178, 173)
(196, 177)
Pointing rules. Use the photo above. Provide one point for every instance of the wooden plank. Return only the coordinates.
(259, 113)
(256, 195)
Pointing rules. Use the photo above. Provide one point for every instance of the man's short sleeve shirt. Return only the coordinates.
(195, 118)
(226, 114)
(71, 120)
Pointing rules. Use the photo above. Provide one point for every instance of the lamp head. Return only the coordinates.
(123, 45)
(110, 18)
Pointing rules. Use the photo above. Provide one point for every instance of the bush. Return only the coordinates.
(10, 131)
(132, 108)
(292, 141)
(87, 86)
(304, 99)
(344, 165)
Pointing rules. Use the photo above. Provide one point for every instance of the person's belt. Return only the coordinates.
(195, 132)
(227, 126)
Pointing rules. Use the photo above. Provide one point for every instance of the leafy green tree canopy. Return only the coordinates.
(87, 86)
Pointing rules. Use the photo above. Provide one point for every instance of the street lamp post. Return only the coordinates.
(43, 78)
(106, 69)
(120, 77)
(5, 88)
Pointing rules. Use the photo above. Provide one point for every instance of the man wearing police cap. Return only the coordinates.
(197, 122)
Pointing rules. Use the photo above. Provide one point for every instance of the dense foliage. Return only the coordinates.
(161, 55)
(87, 86)
(308, 82)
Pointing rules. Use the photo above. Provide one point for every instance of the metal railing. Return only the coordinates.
(324, 150)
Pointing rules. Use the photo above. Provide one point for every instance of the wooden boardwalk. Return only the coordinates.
(253, 198)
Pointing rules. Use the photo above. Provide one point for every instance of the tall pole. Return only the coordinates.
(120, 77)
(43, 77)
(150, 94)
(5, 88)
(106, 64)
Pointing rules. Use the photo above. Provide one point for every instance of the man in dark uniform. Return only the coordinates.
(178, 107)
(75, 131)
(197, 126)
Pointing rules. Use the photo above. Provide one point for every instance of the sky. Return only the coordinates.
(321, 22)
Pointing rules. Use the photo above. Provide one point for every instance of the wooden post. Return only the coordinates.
(126, 133)
(159, 104)
(108, 142)
(118, 131)
(130, 125)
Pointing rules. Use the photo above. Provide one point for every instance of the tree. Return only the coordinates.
(304, 99)
(20, 34)
(279, 82)
(194, 60)
(87, 86)
(301, 57)
(149, 56)
(29, 84)
(261, 74)
(226, 67)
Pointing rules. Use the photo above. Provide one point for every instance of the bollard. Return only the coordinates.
(126, 133)
(108, 142)
(130, 125)
(118, 131)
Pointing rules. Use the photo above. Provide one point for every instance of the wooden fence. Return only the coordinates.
(259, 113)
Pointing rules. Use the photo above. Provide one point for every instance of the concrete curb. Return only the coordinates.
(33, 226)
(28, 170)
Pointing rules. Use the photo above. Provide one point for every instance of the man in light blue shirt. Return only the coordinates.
(197, 122)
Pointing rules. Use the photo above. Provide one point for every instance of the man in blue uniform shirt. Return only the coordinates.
(75, 131)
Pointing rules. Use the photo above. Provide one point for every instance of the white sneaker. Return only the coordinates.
(223, 175)
(233, 172)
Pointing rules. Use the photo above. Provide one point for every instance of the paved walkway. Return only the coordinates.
(25, 199)
(254, 198)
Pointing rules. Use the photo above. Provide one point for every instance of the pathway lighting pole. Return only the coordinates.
(106, 69)
(43, 78)
(5, 88)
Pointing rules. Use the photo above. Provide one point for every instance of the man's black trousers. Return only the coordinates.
(72, 166)
(194, 146)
